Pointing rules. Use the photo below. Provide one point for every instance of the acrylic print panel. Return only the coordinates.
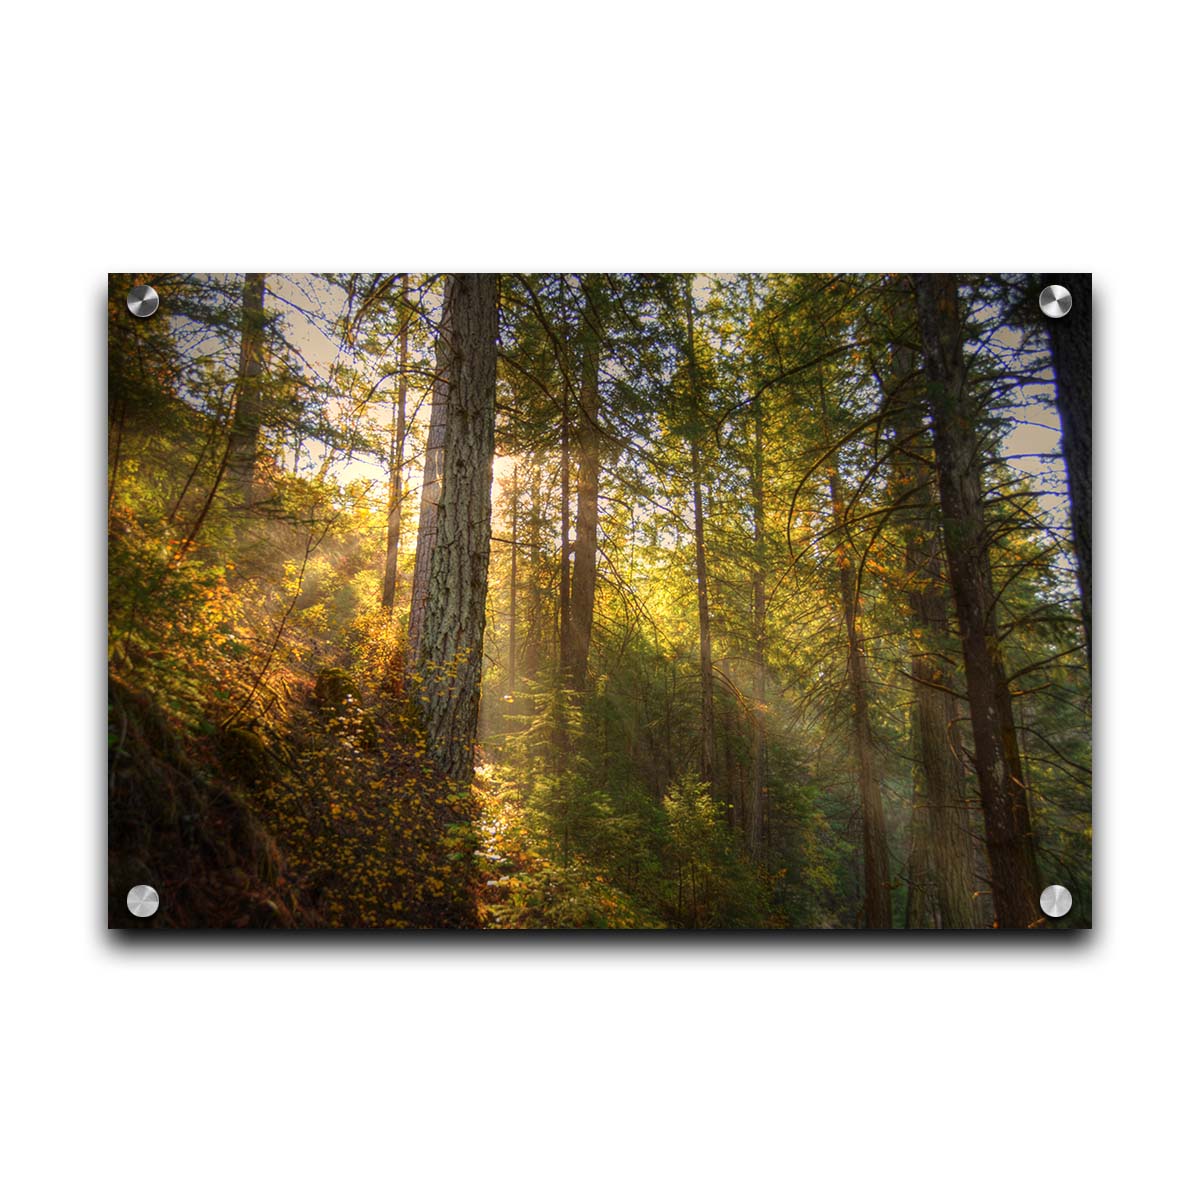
(608, 601)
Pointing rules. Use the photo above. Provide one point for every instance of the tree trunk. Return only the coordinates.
(920, 885)
(564, 533)
(758, 633)
(587, 503)
(942, 830)
(938, 745)
(876, 869)
(997, 759)
(512, 596)
(707, 715)
(534, 644)
(247, 415)
(1071, 350)
(396, 474)
(455, 610)
(431, 483)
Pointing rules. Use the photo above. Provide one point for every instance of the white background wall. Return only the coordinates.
(652, 136)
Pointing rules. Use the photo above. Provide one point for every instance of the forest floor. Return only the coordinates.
(330, 816)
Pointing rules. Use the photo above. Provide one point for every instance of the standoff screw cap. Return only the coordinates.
(1056, 901)
(1055, 300)
(142, 900)
(142, 300)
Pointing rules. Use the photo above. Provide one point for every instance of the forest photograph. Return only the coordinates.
(729, 601)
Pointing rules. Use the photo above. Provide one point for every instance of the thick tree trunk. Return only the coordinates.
(938, 748)
(707, 714)
(431, 483)
(455, 611)
(587, 503)
(997, 759)
(876, 868)
(1071, 350)
(247, 415)
(396, 474)
(941, 827)
(938, 753)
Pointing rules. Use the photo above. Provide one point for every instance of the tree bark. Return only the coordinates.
(512, 596)
(455, 610)
(534, 644)
(942, 831)
(937, 743)
(396, 474)
(917, 913)
(247, 415)
(1002, 789)
(1071, 351)
(707, 715)
(756, 809)
(876, 868)
(564, 532)
(587, 502)
(431, 483)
